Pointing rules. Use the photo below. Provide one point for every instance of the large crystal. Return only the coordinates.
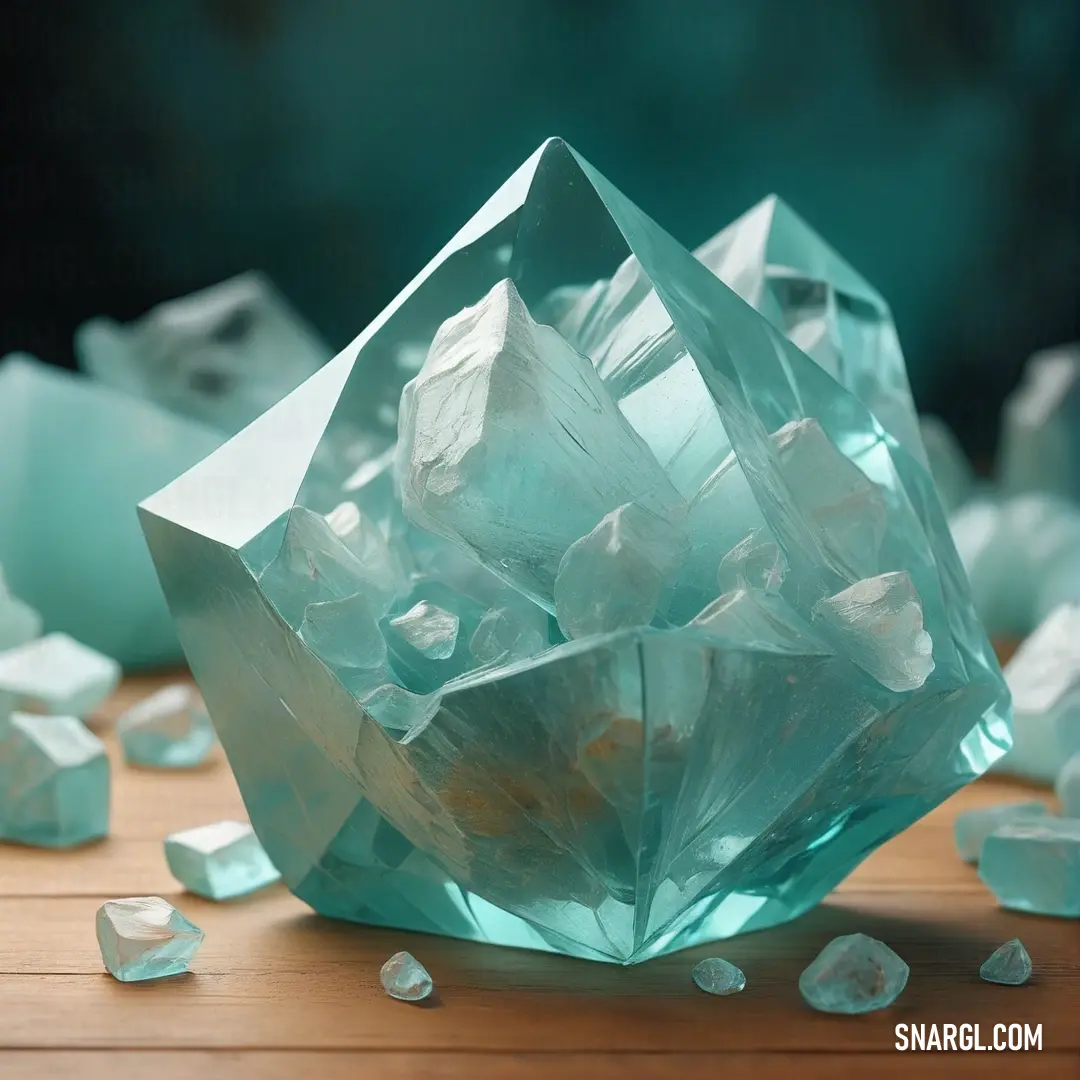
(1040, 436)
(222, 355)
(54, 781)
(75, 457)
(1035, 866)
(796, 675)
(1044, 677)
(145, 937)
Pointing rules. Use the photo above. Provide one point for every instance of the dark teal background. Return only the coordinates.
(151, 148)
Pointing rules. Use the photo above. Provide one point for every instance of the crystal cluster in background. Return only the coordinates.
(645, 629)
(159, 395)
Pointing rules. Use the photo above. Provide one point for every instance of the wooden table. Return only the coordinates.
(278, 992)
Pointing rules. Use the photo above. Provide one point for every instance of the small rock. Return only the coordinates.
(853, 974)
(1008, 964)
(145, 937)
(405, 978)
(219, 861)
(1035, 866)
(716, 976)
(971, 828)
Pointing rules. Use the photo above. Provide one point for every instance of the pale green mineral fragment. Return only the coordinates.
(145, 937)
(1008, 964)
(59, 674)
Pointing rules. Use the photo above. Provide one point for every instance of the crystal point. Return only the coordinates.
(54, 781)
(222, 356)
(1035, 866)
(59, 674)
(1008, 964)
(145, 937)
(643, 738)
(854, 974)
(170, 729)
(717, 976)
(219, 861)
(405, 978)
(972, 828)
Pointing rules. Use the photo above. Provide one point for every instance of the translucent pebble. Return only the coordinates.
(613, 578)
(58, 674)
(405, 978)
(429, 629)
(219, 861)
(1067, 787)
(145, 937)
(879, 623)
(1044, 677)
(716, 976)
(853, 974)
(1035, 866)
(972, 827)
(1008, 964)
(54, 781)
(170, 729)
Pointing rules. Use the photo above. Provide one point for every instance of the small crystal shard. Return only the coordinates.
(54, 781)
(853, 974)
(879, 622)
(756, 562)
(1035, 866)
(613, 578)
(223, 355)
(503, 636)
(75, 457)
(58, 674)
(19, 622)
(1044, 677)
(145, 937)
(1067, 788)
(1008, 964)
(972, 827)
(219, 861)
(1040, 436)
(717, 976)
(405, 978)
(170, 729)
(428, 629)
(949, 465)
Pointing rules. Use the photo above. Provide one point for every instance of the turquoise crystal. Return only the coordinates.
(145, 937)
(1035, 866)
(75, 457)
(219, 861)
(19, 622)
(853, 974)
(1067, 787)
(221, 356)
(1022, 557)
(1044, 678)
(973, 826)
(717, 976)
(59, 674)
(1040, 432)
(54, 781)
(168, 730)
(790, 673)
(405, 978)
(1008, 964)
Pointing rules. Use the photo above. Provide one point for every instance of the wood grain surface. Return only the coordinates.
(277, 992)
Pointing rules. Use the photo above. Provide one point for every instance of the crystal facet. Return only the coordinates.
(1040, 436)
(972, 827)
(168, 730)
(1044, 677)
(222, 356)
(1035, 866)
(405, 978)
(716, 976)
(1008, 964)
(75, 457)
(145, 937)
(854, 974)
(1067, 787)
(58, 674)
(713, 643)
(219, 861)
(54, 781)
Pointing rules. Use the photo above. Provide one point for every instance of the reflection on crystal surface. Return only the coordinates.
(684, 487)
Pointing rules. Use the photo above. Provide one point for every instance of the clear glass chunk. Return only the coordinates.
(405, 978)
(145, 937)
(1035, 866)
(219, 861)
